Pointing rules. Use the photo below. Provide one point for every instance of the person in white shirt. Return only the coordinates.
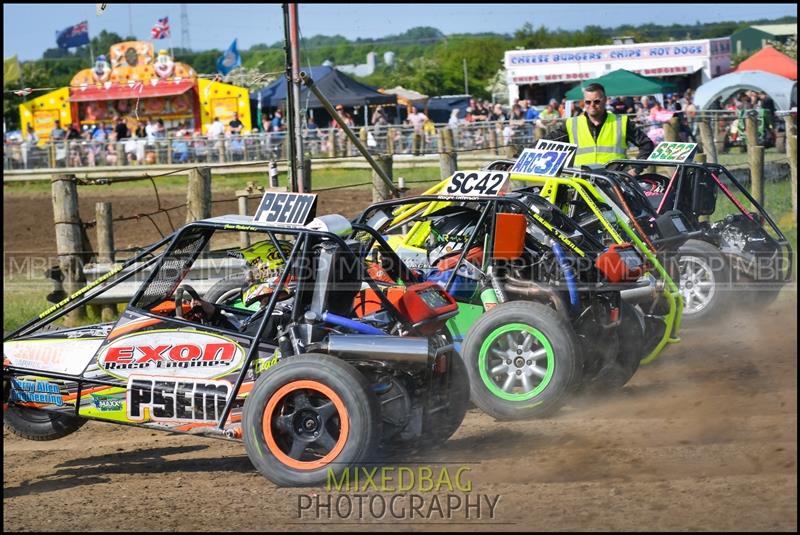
(216, 130)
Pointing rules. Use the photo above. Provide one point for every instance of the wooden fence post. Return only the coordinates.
(790, 131)
(416, 143)
(105, 248)
(719, 139)
(756, 157)
(69, 239)
(791, 146)
(448, 163)
(307, 173)
(709, 148)
(380, 190)
(332, 143)
(671, 129)
(751, 130)
(241, 197)
(493, 139)
(198, 194)
(390, 141)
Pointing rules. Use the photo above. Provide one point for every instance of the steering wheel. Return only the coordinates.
(179, 293)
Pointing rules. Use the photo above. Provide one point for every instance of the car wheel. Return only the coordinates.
(309, 415)
(453, 391)
(227, 291)
(704, 281)
(35, 424)
(522, 360)
(631, 333)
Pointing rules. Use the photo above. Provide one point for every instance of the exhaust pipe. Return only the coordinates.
(408, 349)
(645, 293)
(535, 290)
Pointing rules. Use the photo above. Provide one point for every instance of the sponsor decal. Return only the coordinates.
(541, 162)
(285, 208)
(162, 352)
(58, 355)
(107, 403)
(668, 151)
(176, 399)
(36, 392)
(476, 183)
(263, 364)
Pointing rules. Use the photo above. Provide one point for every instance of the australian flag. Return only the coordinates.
(74, 36)
(161, 29)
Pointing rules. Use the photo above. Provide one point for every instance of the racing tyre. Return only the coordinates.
(310, 413)
(758, 295)
(632, 349)
(522, 360)
(705, 279)
(36, 424)
(227, 291)
(439, 425)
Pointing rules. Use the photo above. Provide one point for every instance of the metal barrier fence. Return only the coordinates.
(727, 129)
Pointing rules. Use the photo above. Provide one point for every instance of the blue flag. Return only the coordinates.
(229, 60)
(74, 35)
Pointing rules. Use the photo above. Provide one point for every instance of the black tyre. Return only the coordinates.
(309, 414)
(632, 349)
(35, 424)
(705, 281)
(452, 391)
(226, 291)
(522, 360)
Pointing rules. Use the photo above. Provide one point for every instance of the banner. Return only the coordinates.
(229, 60)
(12, 72)
(73, 36)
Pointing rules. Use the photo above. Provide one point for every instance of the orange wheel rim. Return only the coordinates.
(269, 411)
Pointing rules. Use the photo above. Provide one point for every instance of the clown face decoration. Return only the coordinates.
(164, 65)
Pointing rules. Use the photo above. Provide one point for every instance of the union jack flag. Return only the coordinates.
(161, 29)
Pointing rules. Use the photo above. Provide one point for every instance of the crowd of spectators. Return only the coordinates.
(128, 141)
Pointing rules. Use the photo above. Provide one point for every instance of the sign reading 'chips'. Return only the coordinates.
(290, 209)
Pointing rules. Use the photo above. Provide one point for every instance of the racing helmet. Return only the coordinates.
(265, 264)
(450, 230)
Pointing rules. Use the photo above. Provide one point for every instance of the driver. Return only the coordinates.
(263, 272)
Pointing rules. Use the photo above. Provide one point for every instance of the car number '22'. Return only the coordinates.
(476, 183)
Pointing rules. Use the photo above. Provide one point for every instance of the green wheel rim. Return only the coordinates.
(516, 342)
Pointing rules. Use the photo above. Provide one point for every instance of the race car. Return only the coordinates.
(734, 251)
(545, 309)
(310, 388)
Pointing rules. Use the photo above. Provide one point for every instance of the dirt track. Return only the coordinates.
(703, 439)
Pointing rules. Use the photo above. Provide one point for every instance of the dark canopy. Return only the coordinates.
(438, 108)
(337, 87)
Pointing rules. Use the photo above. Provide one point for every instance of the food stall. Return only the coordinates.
(136, 84)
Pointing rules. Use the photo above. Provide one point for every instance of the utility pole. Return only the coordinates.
(294, 34)
(185, 43)
(466, 81)
(292, 97)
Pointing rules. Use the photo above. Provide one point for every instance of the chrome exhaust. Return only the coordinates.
(408, 349)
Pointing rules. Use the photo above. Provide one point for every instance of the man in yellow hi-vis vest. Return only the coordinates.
(600, 136)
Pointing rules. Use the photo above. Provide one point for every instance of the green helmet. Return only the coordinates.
(264, 267)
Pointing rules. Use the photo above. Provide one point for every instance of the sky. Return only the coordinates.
(30, 29)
